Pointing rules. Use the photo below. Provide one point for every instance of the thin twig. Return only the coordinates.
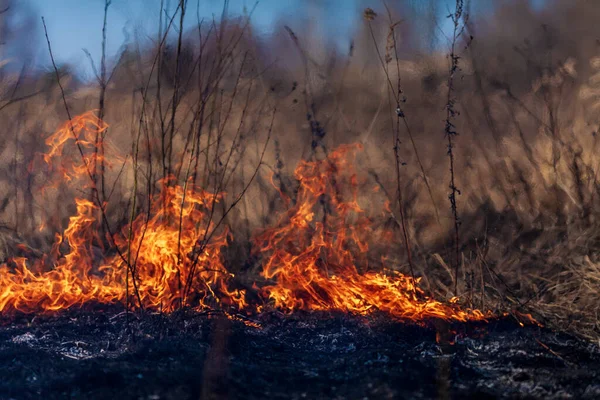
(450, 132)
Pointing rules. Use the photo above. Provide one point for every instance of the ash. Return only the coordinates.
(108, 354)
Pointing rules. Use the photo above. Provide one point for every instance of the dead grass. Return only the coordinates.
(526, 159)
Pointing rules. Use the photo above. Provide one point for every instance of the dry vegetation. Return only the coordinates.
(235, 113)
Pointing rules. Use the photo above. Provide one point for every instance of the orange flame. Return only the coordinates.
(161, 271)
(312, 252)
(157, 251)
(82, 129)
(316, 257)
(68, 283)
(163, 246)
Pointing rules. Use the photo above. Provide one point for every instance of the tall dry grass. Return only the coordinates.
(201, 104)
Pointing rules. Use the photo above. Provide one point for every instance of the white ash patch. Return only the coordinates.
(25, 338)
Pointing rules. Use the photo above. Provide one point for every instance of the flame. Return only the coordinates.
(68, 282)
(161, 270)
(160, 248)
(84, 130)
(164, 248)
(312, 252)
(315, 258)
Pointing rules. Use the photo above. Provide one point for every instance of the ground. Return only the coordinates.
(100, 354)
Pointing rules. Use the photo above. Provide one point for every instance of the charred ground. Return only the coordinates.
(88, 355)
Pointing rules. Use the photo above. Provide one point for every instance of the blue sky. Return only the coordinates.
(76, 24)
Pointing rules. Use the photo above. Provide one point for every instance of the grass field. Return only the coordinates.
(477, 171)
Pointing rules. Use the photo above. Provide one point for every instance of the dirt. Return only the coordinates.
(99, 354)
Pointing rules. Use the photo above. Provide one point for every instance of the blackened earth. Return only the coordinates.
(104, 354)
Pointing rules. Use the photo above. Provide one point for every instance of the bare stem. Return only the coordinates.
(450, 132)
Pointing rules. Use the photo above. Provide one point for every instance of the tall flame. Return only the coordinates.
(312, 252)
(159, 248)
(66, 283)
(315, 257)
(164, 249)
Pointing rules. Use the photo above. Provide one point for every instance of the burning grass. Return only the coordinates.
(317, 253)
(155, 249)
(177, 204)
(245, 226)
(315, 258)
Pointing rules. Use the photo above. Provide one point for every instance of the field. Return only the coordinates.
(216, 170)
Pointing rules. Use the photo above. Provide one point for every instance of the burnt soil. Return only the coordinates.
(99, 355)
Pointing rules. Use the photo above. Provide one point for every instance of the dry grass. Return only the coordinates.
(526, 159)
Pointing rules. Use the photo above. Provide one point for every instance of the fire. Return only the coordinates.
(69, 282)
(166, 260)
(83, 130)
(158, 262)
(314, 258)
(312, 252)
